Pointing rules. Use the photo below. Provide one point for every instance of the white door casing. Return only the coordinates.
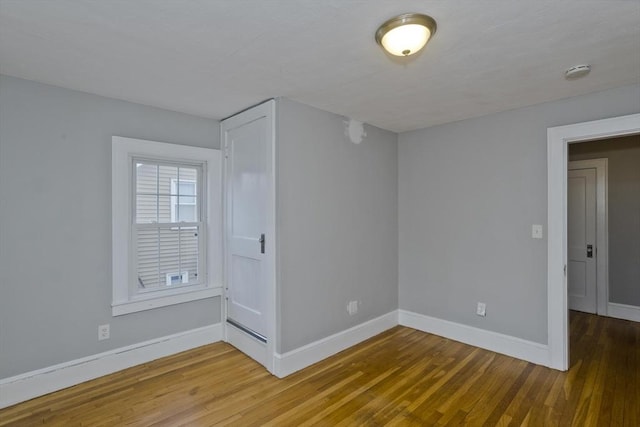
(249, 141)
(581, 240)
(558, 139)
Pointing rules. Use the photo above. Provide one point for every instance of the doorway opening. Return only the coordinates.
(558, 139)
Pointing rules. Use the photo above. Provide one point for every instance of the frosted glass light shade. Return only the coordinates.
(405, 40)
(406, 34)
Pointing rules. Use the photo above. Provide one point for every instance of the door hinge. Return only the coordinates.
(565, 270)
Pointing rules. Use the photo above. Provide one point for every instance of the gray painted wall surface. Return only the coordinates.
(55, 223)
(624, 212)
(468, 194)
(337, 219)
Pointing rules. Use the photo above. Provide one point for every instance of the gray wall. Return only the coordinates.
(461, 197)
(624, 212)
(468, 194)
(55, 223)
(337, 219)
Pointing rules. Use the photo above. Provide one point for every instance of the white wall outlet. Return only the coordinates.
(352, 307)
(104, 332)
(536, 231)
(482, 309)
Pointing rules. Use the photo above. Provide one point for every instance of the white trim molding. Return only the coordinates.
(125, 296)
(36, 383)
(148, 304)
(558, 139)
(623, 311)
(295, 360)
(504, 344)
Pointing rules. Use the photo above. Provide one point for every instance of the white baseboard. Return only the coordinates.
(623, 311)
(294, 360)
(37, 383)
(493, 341)
(42, 381)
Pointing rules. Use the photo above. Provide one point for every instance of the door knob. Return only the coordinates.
(589, 251)
(262, 241)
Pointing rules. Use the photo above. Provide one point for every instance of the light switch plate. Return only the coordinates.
(481, 310)
(536, 231)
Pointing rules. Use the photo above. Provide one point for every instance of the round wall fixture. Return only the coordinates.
(406, 34)
(577, 71)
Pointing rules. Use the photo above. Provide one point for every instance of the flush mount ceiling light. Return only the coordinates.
(406, 34)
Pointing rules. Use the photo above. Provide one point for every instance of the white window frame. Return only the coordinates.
(126, 299)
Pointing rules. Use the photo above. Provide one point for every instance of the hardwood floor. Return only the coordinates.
(401, 377)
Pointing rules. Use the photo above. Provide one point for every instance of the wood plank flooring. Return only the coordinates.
(402, 377)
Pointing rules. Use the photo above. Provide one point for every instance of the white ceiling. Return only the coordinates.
(213, 58)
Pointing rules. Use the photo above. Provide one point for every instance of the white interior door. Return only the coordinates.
(581, 224)
(249, 227)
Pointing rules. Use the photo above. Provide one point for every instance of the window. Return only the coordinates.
(167, 231)
(166, 224)
(183, 206)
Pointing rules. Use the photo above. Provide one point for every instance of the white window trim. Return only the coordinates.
(123, 150)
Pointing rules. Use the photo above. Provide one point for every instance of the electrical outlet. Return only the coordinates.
(104, 332)
(482, 309)
(352, 307)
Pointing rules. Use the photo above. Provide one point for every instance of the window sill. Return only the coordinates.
(118, 309)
